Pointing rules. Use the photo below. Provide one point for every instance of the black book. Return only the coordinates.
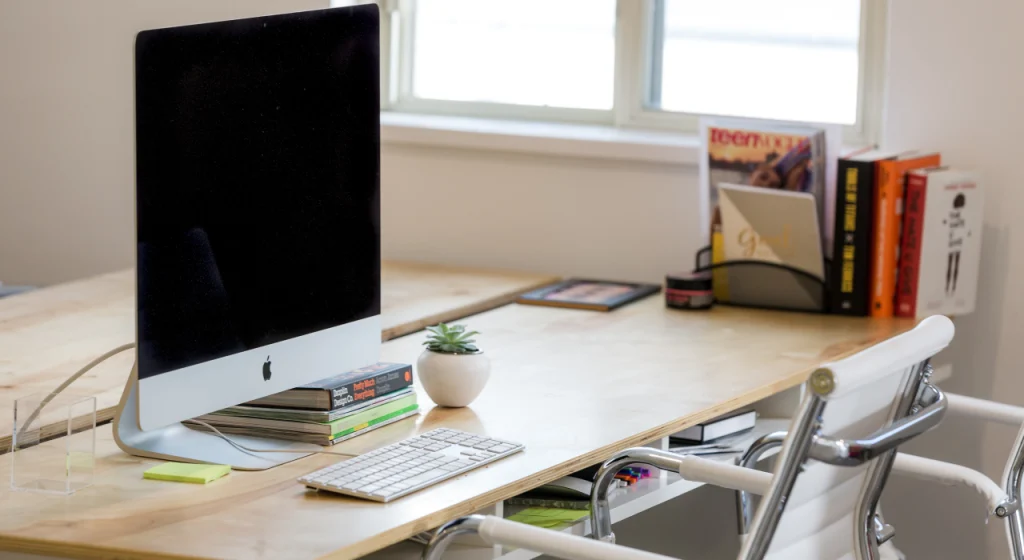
(850, 278)
(346, 389)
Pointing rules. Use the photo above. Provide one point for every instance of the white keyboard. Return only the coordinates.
(407, 466)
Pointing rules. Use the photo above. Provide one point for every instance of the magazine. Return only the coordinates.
(769, 154)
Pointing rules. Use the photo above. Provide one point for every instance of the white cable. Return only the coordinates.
(70, 380)
(128, 346)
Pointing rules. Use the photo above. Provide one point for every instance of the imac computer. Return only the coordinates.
(257, 221)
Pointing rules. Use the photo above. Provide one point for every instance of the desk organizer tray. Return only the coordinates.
(765, 285)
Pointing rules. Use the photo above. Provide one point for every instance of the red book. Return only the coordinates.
(910, 246)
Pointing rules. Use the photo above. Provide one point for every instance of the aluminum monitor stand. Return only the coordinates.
(179, 443)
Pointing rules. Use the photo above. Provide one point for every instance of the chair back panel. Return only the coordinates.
(870, 392)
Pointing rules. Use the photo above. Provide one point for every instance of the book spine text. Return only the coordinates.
(372, 387)
(910, 248)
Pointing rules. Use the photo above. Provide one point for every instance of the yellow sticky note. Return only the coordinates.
(549, 518)
(187, 472)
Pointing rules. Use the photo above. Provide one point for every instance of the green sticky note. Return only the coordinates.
(549, 518)
(187, 472)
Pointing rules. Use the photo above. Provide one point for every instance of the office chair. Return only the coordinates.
(1002, 501)
(829, 504)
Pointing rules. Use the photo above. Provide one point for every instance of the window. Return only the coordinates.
(638, 63)
(529, 52)
(792, 60)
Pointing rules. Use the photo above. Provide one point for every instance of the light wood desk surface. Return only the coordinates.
(573, 386)
(47, 335)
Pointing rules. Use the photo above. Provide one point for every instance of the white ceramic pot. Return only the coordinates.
(453, 380)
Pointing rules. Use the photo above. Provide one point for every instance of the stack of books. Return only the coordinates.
(328, 411)
(907, 236)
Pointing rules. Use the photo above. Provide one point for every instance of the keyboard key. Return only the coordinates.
(448, 468)
(484, 444)
(352, 486)
(370, 489)
(437, 447)
(502, 448)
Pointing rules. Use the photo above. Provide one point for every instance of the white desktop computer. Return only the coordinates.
(257, 220)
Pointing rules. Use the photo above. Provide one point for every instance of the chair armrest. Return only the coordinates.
(495, 530)
(970, 407)
(950, 474)
(689, 467)
(853, 452)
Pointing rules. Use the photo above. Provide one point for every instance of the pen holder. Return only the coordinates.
(53, 443)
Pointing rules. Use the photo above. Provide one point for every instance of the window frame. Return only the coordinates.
(634, 54)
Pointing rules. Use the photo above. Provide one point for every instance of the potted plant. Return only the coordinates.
(452, 369)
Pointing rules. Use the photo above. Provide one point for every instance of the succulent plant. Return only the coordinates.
(452, 339)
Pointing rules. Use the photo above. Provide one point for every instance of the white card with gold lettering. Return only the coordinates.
(772, 225)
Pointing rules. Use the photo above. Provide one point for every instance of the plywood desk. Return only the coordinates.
(574, 386)
(46, 335)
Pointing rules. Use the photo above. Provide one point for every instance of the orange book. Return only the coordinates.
(889, 190)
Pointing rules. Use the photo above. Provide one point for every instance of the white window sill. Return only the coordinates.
(552, 139)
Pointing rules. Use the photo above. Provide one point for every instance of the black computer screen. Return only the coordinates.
(257, 182)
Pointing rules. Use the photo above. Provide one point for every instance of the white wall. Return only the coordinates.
(66, 127)
(955, 83)
(587, 217)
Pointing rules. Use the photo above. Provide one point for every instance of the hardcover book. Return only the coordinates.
(718, 428)
(941, 249)
(343, 390)
(853, 237)
(302, 415)
(595, 295)
(891, 181)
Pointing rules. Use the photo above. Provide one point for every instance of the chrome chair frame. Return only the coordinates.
(919, 409)
(925, 414)
(1004, 501)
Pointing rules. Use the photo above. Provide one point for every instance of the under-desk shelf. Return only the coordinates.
(649, 493)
